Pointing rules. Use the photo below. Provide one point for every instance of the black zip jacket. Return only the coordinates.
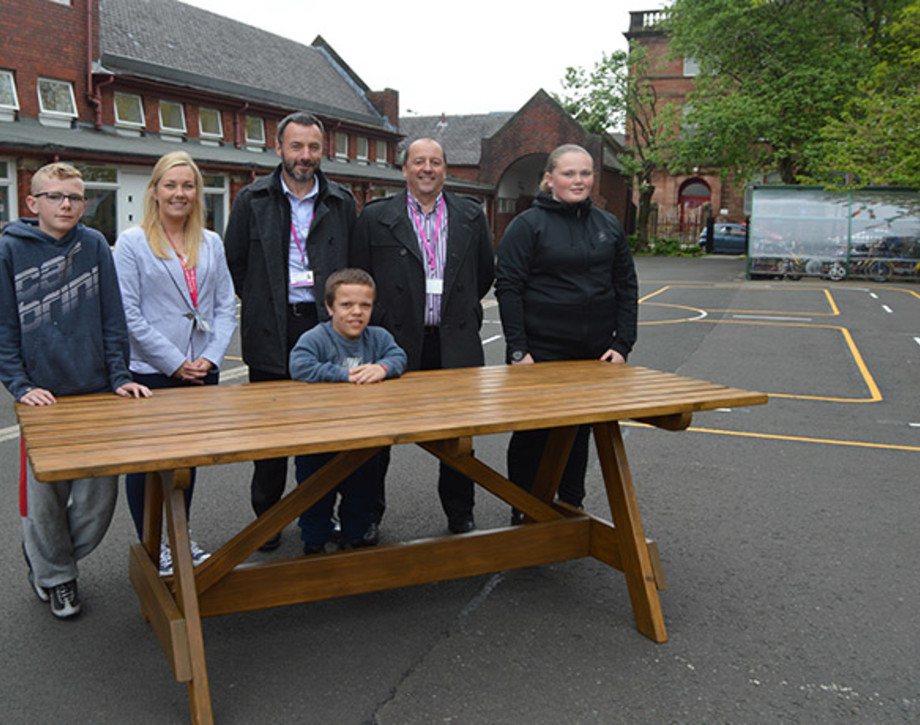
(565, 282)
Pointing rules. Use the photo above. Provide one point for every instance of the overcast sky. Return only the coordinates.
(472, 56)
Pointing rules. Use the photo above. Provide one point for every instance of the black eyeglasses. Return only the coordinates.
(57, 198)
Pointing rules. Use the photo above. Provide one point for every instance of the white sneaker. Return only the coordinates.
(198, 554)
(166, 565)
(166, 568)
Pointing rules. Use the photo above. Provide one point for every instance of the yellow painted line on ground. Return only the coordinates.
(874, 392)
(793, 439)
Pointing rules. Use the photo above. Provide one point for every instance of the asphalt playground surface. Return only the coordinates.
(787, 532)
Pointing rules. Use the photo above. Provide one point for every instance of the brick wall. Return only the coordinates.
(46, 39)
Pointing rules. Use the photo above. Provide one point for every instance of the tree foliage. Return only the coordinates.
(876, 140)
(773, 75)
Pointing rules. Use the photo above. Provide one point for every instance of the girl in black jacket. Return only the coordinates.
(567, 290)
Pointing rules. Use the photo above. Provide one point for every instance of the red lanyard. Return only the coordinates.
(191, 275)
(435, 238)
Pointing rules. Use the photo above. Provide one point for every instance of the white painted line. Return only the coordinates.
(776, 318)
(234, 373)
(914, 425)
(887, 309)
(917, 340)
(9, 433)
(491, 339)
(722, 410)
(873, 295)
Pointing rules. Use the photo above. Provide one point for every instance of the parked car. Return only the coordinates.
(727, 238)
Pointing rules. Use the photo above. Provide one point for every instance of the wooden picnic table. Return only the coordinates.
(438, 410)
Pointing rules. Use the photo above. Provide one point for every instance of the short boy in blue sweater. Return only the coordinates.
(344, 350)
(62, 332)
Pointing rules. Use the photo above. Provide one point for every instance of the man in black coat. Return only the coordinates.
(287, 233)
(430, 252)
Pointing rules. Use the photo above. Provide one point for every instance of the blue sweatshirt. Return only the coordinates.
(62, 326)
(322, 355)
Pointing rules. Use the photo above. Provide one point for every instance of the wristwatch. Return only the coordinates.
(518, 355)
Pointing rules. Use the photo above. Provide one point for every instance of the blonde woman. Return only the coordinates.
(178, 298)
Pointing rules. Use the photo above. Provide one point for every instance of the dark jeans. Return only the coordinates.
(135, 486)
(269, 476)
(356, 508)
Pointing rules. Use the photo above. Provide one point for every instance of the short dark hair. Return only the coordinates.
(348, 275)
(301, 118)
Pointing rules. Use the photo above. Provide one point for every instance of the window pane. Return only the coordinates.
(213, 181)
(8, 90)
(56, 96)
(172, 116)
(102, 174)
(209, 122)
(4, 203)
(214, 212)
(341, 144)
(255, 131)
(100, 212)
(381, 151)
(128, 109)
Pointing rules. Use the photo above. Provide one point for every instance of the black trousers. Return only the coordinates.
(454, 489)
(269, 476)
(525, 451)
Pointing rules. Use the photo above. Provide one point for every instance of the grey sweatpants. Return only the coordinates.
(64, 522)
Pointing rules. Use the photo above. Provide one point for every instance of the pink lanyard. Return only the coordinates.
(421, 231)
(191, 275)
(303, 254)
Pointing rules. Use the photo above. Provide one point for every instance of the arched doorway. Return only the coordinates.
(694, 193)
(518, 186)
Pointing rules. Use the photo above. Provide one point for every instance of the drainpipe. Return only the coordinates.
(96, 100)
(237, 127)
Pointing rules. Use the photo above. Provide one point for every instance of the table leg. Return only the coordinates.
(199, 693)
(637, 566)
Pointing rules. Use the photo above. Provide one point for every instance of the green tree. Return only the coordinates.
(876, 140)
(617, 94)
(773, 74)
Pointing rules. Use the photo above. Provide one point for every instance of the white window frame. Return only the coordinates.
(383, 146)
(172, 130)
(8, 110)
(119, 121)
(53, 116)
(221, 194)
(363, 148)
(220, 124)
(8, 182)
(256, 144)
(341, 149)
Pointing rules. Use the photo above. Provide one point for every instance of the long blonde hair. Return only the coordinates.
(194, 225)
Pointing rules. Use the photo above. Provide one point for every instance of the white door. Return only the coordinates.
(132, 186)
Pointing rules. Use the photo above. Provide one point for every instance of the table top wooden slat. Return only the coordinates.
(103, 434)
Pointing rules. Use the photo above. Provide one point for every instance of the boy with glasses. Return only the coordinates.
(63, 333)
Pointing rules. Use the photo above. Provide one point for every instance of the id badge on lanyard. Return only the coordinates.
(302, 277)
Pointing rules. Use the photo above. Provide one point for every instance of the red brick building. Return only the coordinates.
(683, 200)
(507, 152)
(111, 85)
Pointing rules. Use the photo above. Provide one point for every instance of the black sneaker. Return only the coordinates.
(39, 590)
(370, 538)
(64, 600)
